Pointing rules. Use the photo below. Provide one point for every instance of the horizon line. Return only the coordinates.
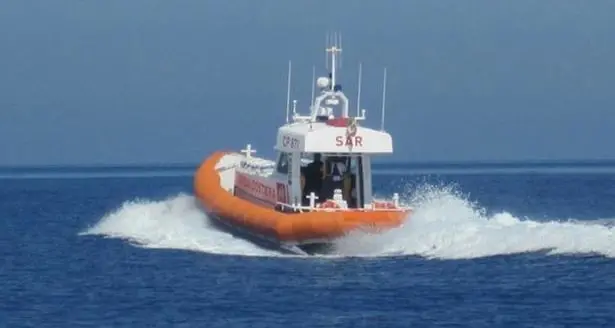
(394, 163)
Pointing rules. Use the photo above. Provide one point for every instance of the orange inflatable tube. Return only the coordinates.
(286, 227)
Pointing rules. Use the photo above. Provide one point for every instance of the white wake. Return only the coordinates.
(174, 223)
(447, 226)
(444, 225)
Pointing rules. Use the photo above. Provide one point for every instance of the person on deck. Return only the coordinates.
(336, 171)
(313, 179)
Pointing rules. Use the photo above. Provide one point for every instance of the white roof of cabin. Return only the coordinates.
(319, 137)
(310, 135)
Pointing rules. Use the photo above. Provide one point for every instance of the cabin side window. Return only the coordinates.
(282, 166)
(306, 158)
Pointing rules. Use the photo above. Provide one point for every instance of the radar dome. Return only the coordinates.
(322, 82)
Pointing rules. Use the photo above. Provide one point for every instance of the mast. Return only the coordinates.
(334, 48)
(313, 85)
(288, 92)
(384, 91)
(359, 90)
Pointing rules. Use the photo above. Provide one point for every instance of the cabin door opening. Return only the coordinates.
(345, 173)
(311, 178)
(357, 177)
(286, 181)
(293, 176)
(353, 193)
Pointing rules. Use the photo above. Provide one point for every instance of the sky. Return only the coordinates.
(158, 81)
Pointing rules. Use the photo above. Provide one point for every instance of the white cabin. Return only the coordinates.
(344, 146)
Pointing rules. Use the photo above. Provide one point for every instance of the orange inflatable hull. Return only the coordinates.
(292, 228)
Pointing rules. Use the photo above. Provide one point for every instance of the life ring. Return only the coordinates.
(384, 205)
(329, 204)
(351, 129)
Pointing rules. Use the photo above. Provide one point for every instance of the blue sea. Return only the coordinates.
(488, 246)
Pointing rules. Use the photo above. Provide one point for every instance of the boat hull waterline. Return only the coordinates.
(305, 232)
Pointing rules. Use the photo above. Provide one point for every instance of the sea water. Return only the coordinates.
(516, 248)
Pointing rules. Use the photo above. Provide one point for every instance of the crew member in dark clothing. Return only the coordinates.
(350, 189)
(336, 171)
(313, 179)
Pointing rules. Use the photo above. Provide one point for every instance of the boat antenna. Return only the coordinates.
(359, 90)
(288, 92)
(327, 42)
(340, 47)
(313, 84)
(384, 90)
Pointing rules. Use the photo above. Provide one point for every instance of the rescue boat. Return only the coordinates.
(317, 190)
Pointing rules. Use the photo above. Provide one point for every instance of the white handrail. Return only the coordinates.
(330, 209)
